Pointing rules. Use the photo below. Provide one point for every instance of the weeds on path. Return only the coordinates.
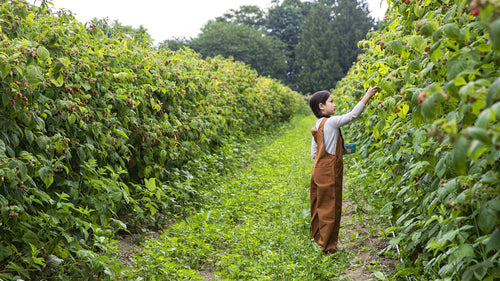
(255, 224)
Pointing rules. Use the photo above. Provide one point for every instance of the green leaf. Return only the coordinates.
(42, 53)
(29, 136)
(23, 171)
(42, 142)
(483, 119)
(486, 219)
(82, 155)
(431, 104)
(494, 241)
(477, 271)
(454, 67)
(419, 10)
(484, 48)
(4, 69)
(403, 110)
(452, 31)
(86, 86)
(450, 235)
(10, 152)
(493, 92)
(35, 74)
(387, 86)
(30, 238)
(116, 196)
(496, 110)
(418, 167)
(71, 119)
(479, 134)
(395, 45)
(490, 177)
(427, 29)
(415, 65)
(495, 204)
(436, 52)
(46, 175)
(495, 35)
(4, 252)
(2, 148)
(85, 254)
(459, 81)
(476, 149)
(121, 133)
(379, 275)
(150, 184)
(416, 41)
(463, 251)
(163, 156)
(441, 167)
(460, 155)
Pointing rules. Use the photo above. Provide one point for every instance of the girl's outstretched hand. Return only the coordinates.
(373, 90)
(370, 93)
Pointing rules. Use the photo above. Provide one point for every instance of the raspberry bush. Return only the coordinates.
(430, 142)
(100, 132)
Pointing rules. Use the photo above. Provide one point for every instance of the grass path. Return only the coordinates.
(256, 226)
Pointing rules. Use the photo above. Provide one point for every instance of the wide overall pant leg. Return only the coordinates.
(326, 193)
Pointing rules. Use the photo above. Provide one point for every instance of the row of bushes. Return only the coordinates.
(101, 132)
(430, 143)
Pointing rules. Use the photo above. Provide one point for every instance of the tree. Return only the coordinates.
(331, 32)
(250, 15)
(317, 64)
(243, 43)
(351, 22)
(285, 22)
(175, 43)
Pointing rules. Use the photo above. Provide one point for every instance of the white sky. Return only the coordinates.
(168, 19)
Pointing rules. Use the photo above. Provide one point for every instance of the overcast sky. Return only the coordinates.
(168, 19)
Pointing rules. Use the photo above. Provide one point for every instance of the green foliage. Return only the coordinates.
(351, 23)
(243, 43)
(257, 225)
(429, 144)
(99, 132)
(174, 44)
(249, 15)
(316, 54)
(328, 43)
(285, 22)
(308, 45)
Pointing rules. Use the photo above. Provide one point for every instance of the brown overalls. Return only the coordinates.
(326, 192)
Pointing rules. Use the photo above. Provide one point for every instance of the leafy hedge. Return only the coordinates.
(430, 142)
(100, 131)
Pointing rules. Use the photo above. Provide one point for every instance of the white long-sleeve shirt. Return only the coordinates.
(330, 130)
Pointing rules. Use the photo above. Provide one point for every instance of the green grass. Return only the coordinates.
(255, 225)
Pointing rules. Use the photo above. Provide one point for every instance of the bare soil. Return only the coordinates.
(130, 244)
(358, 237)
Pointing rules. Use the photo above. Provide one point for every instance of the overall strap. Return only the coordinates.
(318, 137)
(321, 128)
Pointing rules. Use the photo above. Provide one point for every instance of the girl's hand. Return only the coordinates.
(370, 93)
(373, 90)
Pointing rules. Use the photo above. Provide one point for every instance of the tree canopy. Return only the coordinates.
(327, 45)
(243, 43)
(307, 45)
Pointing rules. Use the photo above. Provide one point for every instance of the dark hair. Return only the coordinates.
(316, 99)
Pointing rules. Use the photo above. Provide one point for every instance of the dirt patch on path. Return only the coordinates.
(359, 235)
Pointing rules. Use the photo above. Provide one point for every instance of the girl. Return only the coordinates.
(327, 172)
